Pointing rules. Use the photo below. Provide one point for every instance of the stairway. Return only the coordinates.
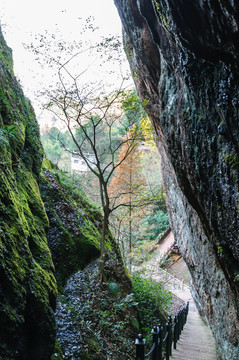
(196, 341)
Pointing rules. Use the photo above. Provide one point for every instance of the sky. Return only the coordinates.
(22, 20)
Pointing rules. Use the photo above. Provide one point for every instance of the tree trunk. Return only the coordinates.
(104, 233)
(130, 235)
(130, 216)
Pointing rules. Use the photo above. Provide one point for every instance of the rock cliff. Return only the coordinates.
(64, 228)
(184, 57)
(27, 284)
(74, 224)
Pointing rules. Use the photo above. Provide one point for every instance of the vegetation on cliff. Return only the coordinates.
(74, 224)
(27, 286)
(100, 321)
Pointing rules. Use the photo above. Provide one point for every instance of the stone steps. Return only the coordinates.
(196, 341)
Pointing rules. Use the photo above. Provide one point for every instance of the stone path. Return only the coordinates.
(166, 243)
(196, 341)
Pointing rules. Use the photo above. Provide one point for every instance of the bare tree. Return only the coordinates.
(99, 130)
(93, 115)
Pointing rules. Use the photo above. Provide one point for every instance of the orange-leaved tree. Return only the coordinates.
(127, 190)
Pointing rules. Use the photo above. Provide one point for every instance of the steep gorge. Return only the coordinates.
(51, 307)
(184, 57)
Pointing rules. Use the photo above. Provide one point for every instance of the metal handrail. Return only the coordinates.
(172, 278)
(151, 350)
(165, 337)
(172, 336)
(156, 269)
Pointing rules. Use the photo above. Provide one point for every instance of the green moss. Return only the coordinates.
(26, 264)
(233, 160)
(157, 5)
(163, 14)
(5, 55)
(236, 277)
(219, 250)
(57, 352)
(74, 234)
(28, 288)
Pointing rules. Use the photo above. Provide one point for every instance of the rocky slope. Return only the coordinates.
(74, 224)
(184, 58)
(97, 321)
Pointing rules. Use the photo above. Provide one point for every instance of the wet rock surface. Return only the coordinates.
(184, 57)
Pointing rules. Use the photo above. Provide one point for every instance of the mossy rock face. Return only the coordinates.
(27, 284)
(74, 232)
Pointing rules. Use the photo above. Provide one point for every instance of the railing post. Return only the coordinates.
(168, 327)
(187, 310)
(180, 320)
(170, 335)
(180, 324)
(160, 349)
(140, 345)
(155, 332)
(184, 316)
(175, 333)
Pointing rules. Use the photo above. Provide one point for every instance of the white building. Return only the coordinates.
(78, 164)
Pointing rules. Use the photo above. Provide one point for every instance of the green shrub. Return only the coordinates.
(153, 302)
(143, 252)
(114, 289)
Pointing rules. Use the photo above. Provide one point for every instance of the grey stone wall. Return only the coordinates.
(184, 58)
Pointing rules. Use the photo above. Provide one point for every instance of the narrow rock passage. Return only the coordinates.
(196, 341)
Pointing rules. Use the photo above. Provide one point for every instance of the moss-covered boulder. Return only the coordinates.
(74, 231)
(27, 284)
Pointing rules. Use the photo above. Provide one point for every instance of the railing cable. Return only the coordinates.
(151, 350)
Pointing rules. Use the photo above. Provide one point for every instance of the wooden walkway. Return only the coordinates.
(196, 341)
